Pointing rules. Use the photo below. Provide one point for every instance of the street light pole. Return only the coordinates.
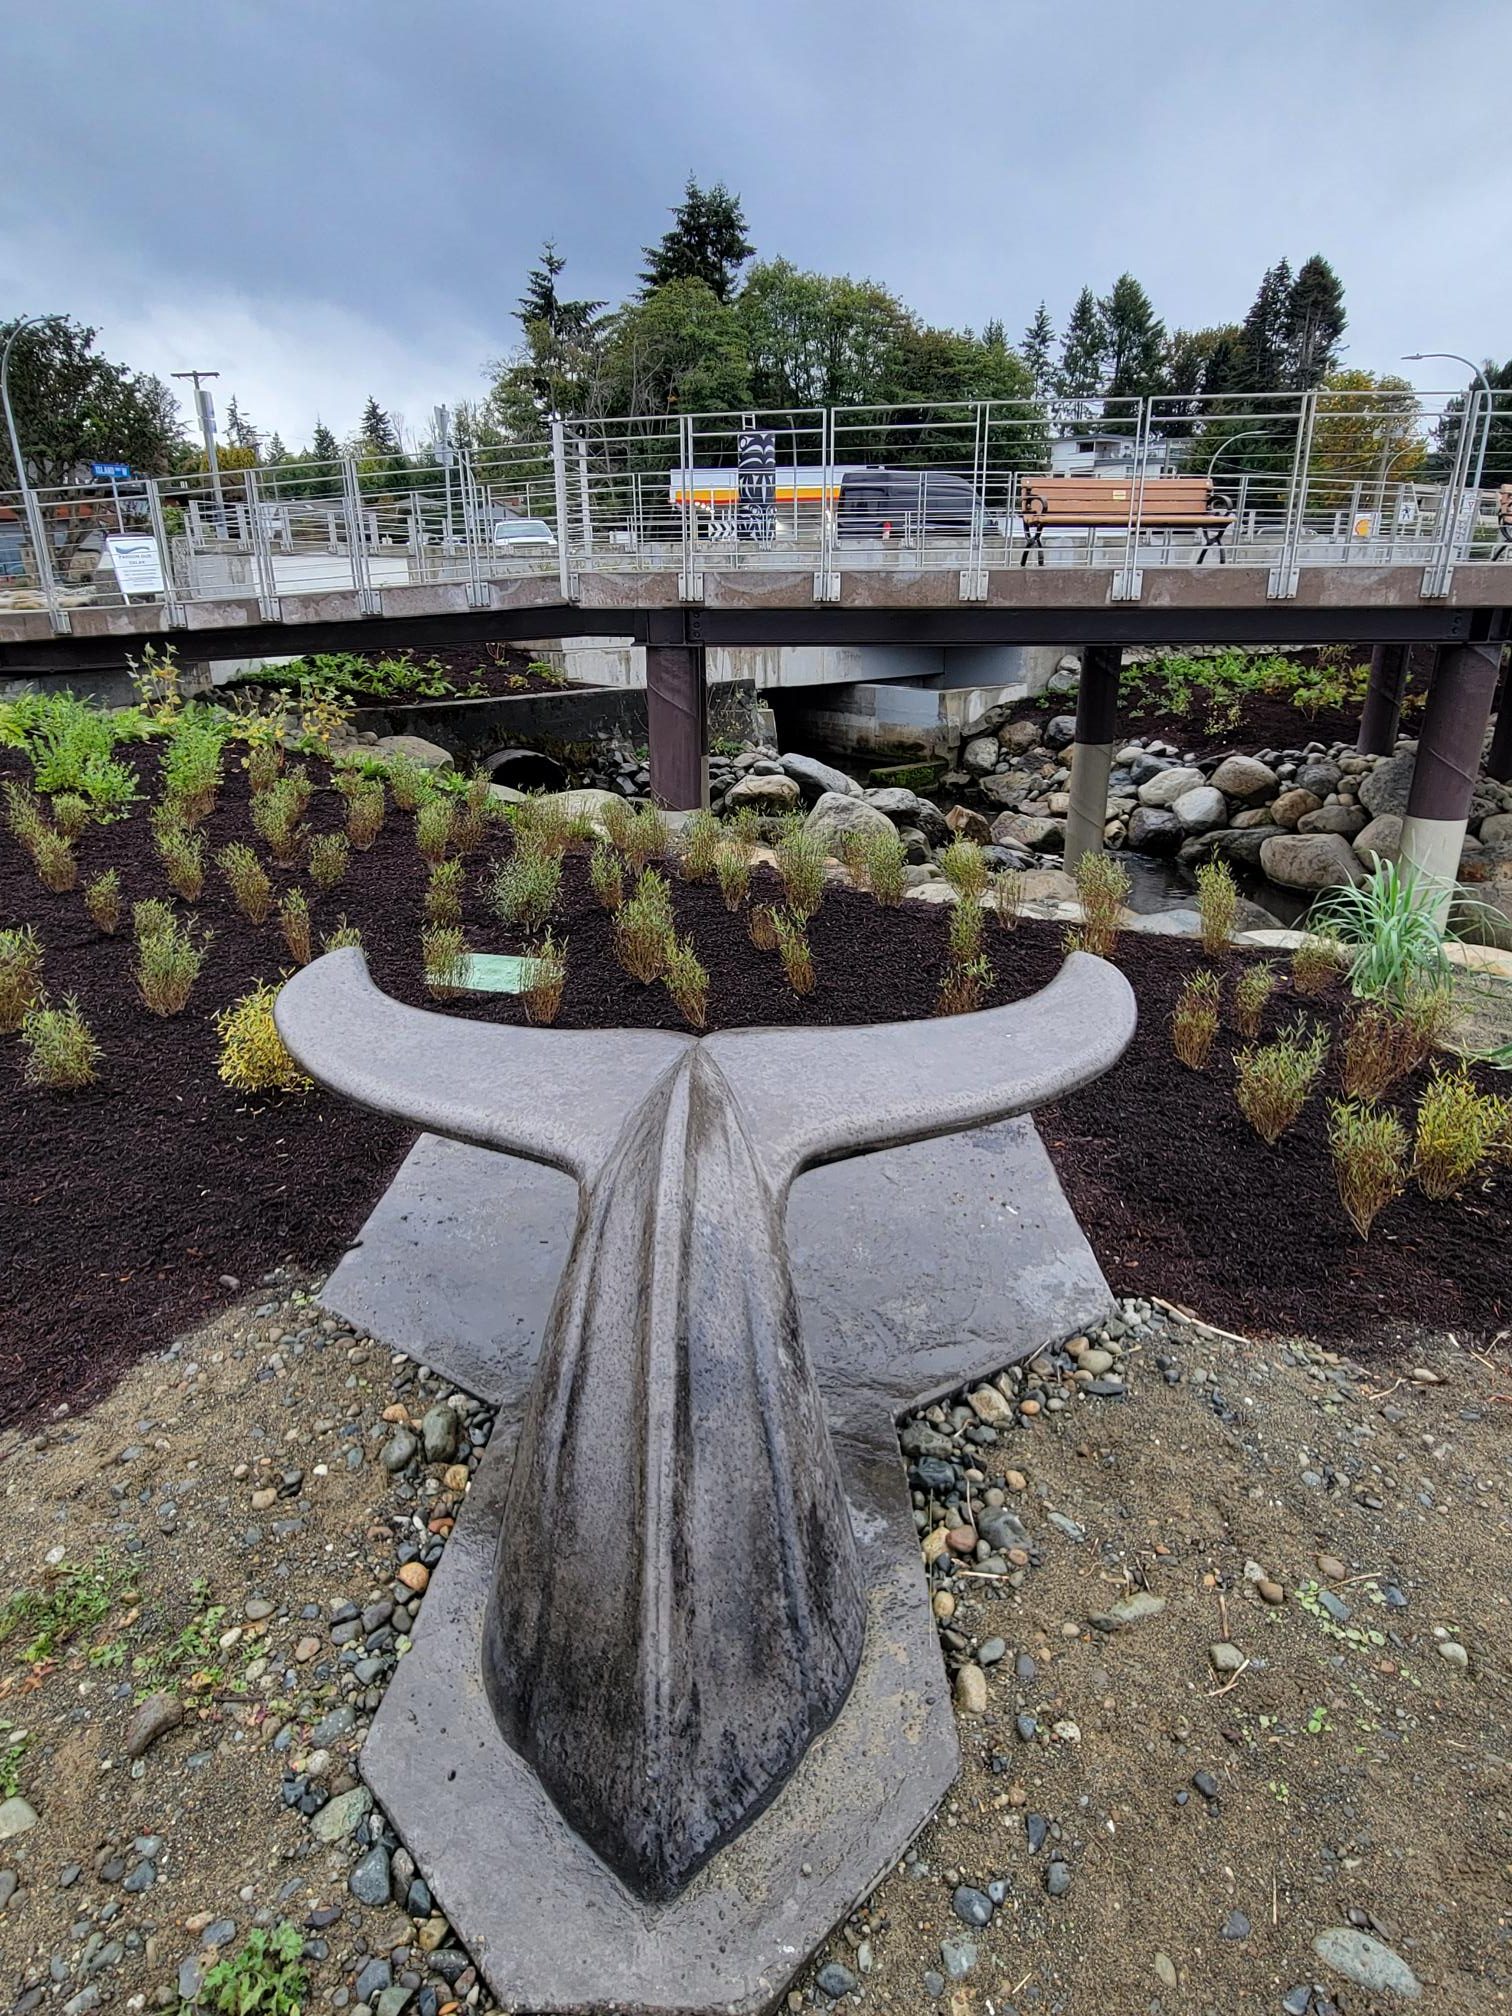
(1453, 357)
(29, 508)
(207, 428)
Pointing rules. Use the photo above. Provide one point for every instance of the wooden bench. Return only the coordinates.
(1187, 503)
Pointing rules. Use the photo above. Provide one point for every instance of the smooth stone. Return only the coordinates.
(1366, 1962)
(815, 778)
(1162, 790)
(399, 1451)
(438, 1433)
(340, 1815)
(1165, 1970)
(1245, 778)
(156, 1716)
(972, 1907)
(16, 1817)
(834, 1980)
(1310, 861)
(429, 755)
(1386, 788)
(1382, 837)
(1225, 1658)
(958, 1956)
(1291, 806)
(1201, 809)
(1058, 1878)
(971, 1690)
(1154, 830)
(837, 816)
(1131, 1609)
(370, 1879)
(778, 794)
(1450, 1649)
(1235, 1926)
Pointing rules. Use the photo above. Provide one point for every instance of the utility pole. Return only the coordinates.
(207, 428)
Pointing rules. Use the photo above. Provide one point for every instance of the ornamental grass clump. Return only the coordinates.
(543, 977)
(329, 855)
(182, 854)
(443, 893)
(524, 889)
(344, 938)
(1425, 1008)
(1458, 1129)
(1217, 905)
(251, 891)
(964, 866)
(474, 816)
(647, 837)
(294, 923)
(1373, 1053)
(20, 976)
(964, 987)
(732, 871)
(880, 857)
(701, 841)
(435, 825)
(543, 824)
(1369, 1149)
(192, 769)
(102, 899)
(263, 762)
(1316, 964)
(1007, 897)
(687, 981)
(443, 955)
(644, 934)
(745, 827)
(364, 818)
(252, 1053)
(1390, 924)
(1275, 1079)
(800, 863)
(71, 814)
(24, 816)
(964, 933)
(606, 876)
(793, 950)
(408, 783)
(61, 1052)
(1102, 885)
(57, 870)
(762, 927)
(1252, 991)
(277, 816)
(1194, 1019)
(168, 960)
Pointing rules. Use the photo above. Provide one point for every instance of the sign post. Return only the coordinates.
(114, 473)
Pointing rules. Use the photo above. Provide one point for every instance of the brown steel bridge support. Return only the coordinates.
(677, 723)
(1092, 751)
(1499, 762)
(1383, 700)
(1448, 761)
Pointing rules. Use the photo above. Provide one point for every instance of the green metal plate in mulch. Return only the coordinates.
(495, 973)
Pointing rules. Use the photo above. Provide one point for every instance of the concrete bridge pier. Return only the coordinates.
(1499, 762)
(1448, 761)
(1382, 712)
(677, 715)
(1092, 751)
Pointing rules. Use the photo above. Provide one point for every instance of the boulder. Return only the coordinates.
(1201, 809)
(837, 815)
(1387, 786)
(1153, 829)
(1382, 836)
(769, 794)
(506, 794)
(1244, 848)
(1162, 790)
(814, 778)
(1018, 736)
(930, 821)
(1310, 861)
(895, 801)
(989, 723)
(1145, 764)
(980, 755)
(1345, 819)
(1246, 779)
(1060, 731)
(1019, 829)
(1006, 787)
(429, 755)
(1496, 831)
(1291, 805)
(1318, 776)
(1253, 815)
(917, 852)
(968, 825)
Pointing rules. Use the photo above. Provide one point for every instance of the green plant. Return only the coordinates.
(69, 743)
(73, 1598)
(364, 820)
(294, 923)
(277, 814)
(1217, 905)
(1194, 1019)
(964, 933)
(793, 950)
(1316, 963)
(20, 975)
(152, 919)
(343, 937)
(1252, 990)
(263, 1979)
(525, 887)
(443, 893)
(606, 876)
(1373, 1054)
(1391, 926)
(192, 766)
(543, 979)
(1102, 886)
(1007, 896)
(745, 827)
(168, 960)
(11, 1754)
(71, 814)
(61, 1050)
(474, 816)
(1369, 1151)
(964, 987)
(542, 823)
(263, 762)
(1212, 687)
(434, 825)
(409, 782)
(964, 866)
(182, 854)
(329, 855)
(1275, 1078)
(251, 890)
(644, 933)
(1335, 680)
(252, 1053)
(800, 863)
(325, 715)
(102, 899)
(732, 870)
(687, 981)
(443, 954)
(880, 858)
(24, 815)
(762, 926)
(1458, 1128)
(647, 837)
(701, 840)
(57, 869)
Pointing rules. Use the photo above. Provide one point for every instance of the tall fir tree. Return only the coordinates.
(324, 447)
(1263, 360)
(541, 302)
(239, 429)
(1315, 323)
(1037, 350)
(276, 449)
(1084, 353)
(707, 242)
(1135, 339)
(376, 433)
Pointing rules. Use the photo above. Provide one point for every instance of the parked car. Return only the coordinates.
(901, 503)
(524, 535)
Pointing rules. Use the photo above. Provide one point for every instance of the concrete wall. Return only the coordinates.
(882, 722)
(616, 662)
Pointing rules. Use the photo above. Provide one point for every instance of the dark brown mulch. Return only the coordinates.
(123, 1206)
(496, 670)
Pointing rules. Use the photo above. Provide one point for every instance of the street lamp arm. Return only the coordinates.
(27, 322)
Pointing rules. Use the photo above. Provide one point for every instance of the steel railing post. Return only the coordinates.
(173, 607)
(262, 551)
(351, 499)
(1129, 579)
(36, 525)
(826, 582)
(1282, 582)
(563, 516)
(974, 580)
(473, 537)
(690, 586)
(1440, 570)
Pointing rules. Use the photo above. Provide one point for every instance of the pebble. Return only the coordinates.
(1131, 1609)
(1225, 1658)
(990, 1651)
(1165, 1970)
(1235, 1926)
(337, 1818)
(971, 1690)
(1450, 1649)
(156, 1716)
(958, 1956)
(1058, 1878)
(370, 1879)
(1366, 1962)
(438, 1434)
(834, 1980)
(400, 1451)
(16, 1817)
(972, 1907)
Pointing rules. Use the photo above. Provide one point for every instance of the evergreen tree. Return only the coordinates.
(376, 434)
(994, 335)
(1039, 341)
(239, 429)
(276, 450)
(551, 374)
(1135, 340)
(541, 303)
(1264, 350)
(1084, 352)
(707, 242)
(1315, 323)
(324, 447)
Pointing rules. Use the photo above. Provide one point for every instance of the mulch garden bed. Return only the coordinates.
(498, 671)
(126, 1208)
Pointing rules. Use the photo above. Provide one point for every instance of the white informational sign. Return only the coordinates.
(138, 570)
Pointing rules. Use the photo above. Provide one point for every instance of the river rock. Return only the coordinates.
(429, 755)
(980, 755)
(971, 1690)
(1131, 1609)
(1366, 1962)
(1163, 789)
(1201, 809)
(1154, 830)
(1387, 786)
(1345, 819)
(1310, 861)
(1382, 836)
(767, 794)
(1060, 731)
(1006, 787)
(814, 778)
(1496, 831)
(1022, 829)
(16, 1817)
(157, 1715)
(1019, 736)
(969, 825)
(1244, 847)
(1291, 806)
(896, 800)
(836, 816)
(1319, 776)
(1246, 779)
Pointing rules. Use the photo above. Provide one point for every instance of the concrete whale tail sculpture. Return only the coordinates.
(677, 1609)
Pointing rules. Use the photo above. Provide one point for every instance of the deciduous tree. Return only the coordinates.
(74, 407)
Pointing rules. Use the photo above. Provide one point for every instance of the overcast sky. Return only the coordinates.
(323, 200)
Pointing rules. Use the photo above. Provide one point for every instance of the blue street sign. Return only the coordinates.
(107, 472)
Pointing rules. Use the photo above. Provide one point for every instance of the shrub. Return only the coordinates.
(264, 760)
(1316, 964)
(409, 782)
(443, 953)
(71, 813)
(1102, 884)
(525, 886)
(701, 840)
(606, 876)
(1007, 896)
(168, 960)
(1194, 1019)
(364, 820)
(24, 815)
(61, 1054)
(102, 899)
(294, 923)
(542, 824)
(343, 938)
(880, 858)
(1252, 990)
(643, 930)
(57, 869)
(329, 855)
(732, 869)
(1217, 905)
(745, 827)
(1426, 1013)
(964, 936)
(192, 768)
(1391, 927)
(688, 982)
(762, 926)
(276, 816)
(1369, 1150)
(182, 854)
(800, 863)
(1372, 1052)
(443, 893)
(793, 950)
(618, 817)
(543, 977)
(964, 866)
(964, 987)
(251, 890)
(435, 823)
(152, 919)
(647, 837)
(1458, 1128)
(252, 1053)
(474, 816)
(20, 975)
(1275, 1079)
